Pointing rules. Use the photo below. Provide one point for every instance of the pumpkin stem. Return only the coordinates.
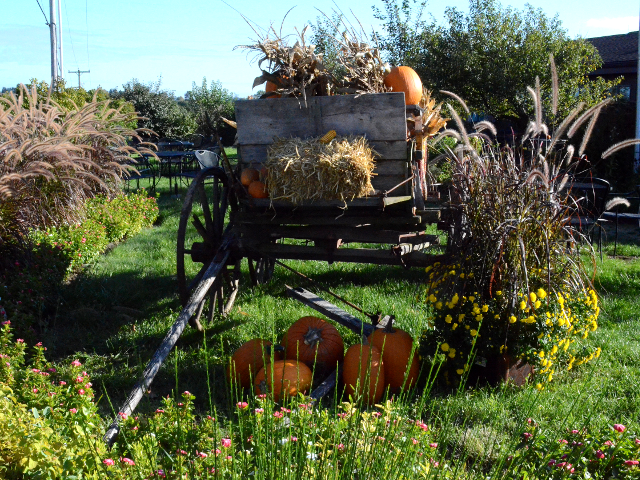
(389, 326)
(313, 336)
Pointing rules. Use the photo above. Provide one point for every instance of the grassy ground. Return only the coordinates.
(114, 315)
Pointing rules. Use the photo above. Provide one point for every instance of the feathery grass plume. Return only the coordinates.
(616, 202)
(583, 118)
(554, 84)
(52, 159)
(620, 145)
(588, 131)
(458, 99)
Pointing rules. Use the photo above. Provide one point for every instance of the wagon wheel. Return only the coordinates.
(205, 223)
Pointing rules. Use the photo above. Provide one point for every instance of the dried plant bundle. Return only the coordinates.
(307, 170)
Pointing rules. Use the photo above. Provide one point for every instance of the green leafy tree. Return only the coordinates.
(208, 104)
(158, 108)
(491, 55)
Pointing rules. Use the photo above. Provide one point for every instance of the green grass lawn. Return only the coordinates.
(115, 314)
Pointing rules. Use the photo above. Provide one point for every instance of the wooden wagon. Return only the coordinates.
(221, 223)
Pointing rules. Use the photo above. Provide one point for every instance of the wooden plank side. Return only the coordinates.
(376, 116)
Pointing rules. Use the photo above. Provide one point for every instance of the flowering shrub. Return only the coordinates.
(49, 427)
(580, 453)
(548, 331)
(27, 288)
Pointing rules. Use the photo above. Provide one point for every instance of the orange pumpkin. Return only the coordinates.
(271, 87)
(396, 346)
(249, 175)
(283, 378)
(257, 189)
(363, 373)
(315, 342)
(405, 79)
(248, 359)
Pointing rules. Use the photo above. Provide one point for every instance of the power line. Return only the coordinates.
(66, 10)
(86, 21)
(46, 20)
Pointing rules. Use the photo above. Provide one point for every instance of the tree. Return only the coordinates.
(490, 56)
(208, 104)
(158, 108)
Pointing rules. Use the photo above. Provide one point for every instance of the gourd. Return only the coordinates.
(396, 346)
(271, 87)
(315, 342)
(257, 189)
(283, 378)
(405, 79)
(363, 373)
(249, 175)
(248, 359)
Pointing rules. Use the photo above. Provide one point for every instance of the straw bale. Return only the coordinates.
(307, 170)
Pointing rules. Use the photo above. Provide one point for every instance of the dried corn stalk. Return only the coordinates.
(307, 170)
(364, 67)
(296, 71)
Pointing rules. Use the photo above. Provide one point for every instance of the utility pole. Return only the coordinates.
(636, 163)
(79, 72)
(60, 41)
(54, 48)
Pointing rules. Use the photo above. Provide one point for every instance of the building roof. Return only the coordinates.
(617, 49)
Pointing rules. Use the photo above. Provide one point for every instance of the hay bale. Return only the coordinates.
(307, 170)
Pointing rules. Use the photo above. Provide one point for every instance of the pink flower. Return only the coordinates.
(226, 442)
(294, 439)
(562, 440)
(376, 414)
(108, 462)
(608, 443)
(552, 462)
(81, 392)
(631, 463)
(51, 394)
(75, 363)
(340, 447)
(278, 414)
(6, 322)
(575, 432)
(186, 393)
(599, 455)
(75, 410)
(181, 452)
(242, 405)
(619, 428)
(229, 457)
(262, 396)
(259, 410)
(202, 455)
(35, 390)
(123, 415)
(20, 340)
(433, 445)
(285, 410)
(79, 379)
(527, 435)
(415, 442)
(88, 385)
(83, 240)
(128, 461)
(63, 383)
(637, 440)
(159, 410)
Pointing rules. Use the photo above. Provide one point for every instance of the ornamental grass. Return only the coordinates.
(515, 285)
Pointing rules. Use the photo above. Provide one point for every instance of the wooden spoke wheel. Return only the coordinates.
(205, 222)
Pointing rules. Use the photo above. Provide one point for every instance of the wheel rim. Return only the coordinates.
(204, 220)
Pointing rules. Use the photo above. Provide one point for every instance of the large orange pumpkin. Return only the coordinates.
(396, 346)
(257, 189)
(315, 342)
(271, 87)
(248, 359)
(249, 175)
(405, 79)
(363, 373)
(283, 378)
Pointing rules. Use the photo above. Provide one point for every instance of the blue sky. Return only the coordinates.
(183, 42)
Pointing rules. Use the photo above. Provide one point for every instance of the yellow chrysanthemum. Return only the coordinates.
(448, 318)
(473, 333)
(444, 347)
(512, 319)
(459, 371)
(541, 293)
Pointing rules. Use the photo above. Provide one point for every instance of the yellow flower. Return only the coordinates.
(537, 304)
(554, 350)
(473, 333)
(454, 326)
(444, 347)
(541, 354)
(459, 371)
(512, 319)
(541, 293)
(539, 386)
(448, 319)
(432, 298)
(428, 268)
(462, 275)
(467, 327)
(479, 318)
(439, 305)
(533, 297)
(485, 308)
(460, 317)
(471, 298)
(452, 353)
(499, 293)
(523, 305)
(598, 352)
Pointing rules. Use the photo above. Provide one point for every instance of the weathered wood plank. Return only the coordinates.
(326, 386)
(346, 234)
(348, 255)
(329, 310)
(306, 218)
(167, 344)
(376, 116)
(372, 201)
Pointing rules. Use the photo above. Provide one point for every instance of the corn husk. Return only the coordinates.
(309, 170)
